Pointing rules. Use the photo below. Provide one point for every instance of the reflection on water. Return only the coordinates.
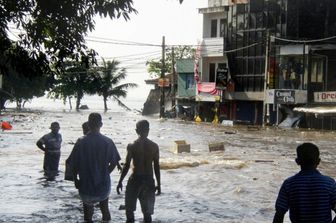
(237, 185)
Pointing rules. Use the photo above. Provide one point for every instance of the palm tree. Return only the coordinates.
(108, 84)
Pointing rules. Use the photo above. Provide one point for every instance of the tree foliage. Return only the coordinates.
(51, 32)
(25, 76)
(181, 52)
(108, 84)
(74, 79)
(58, 27)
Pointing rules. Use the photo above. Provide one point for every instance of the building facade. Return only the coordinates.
(211, 63)
(186, 89)
(280, 60)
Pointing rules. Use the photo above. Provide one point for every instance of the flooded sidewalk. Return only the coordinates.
(239, 184)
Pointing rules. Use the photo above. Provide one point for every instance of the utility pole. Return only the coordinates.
(162, 96)
(265, 116)
(174, 79)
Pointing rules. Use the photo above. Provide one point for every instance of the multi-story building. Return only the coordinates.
(210, 58)
(280, 57)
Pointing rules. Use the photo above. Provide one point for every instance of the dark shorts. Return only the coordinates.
(142, 188)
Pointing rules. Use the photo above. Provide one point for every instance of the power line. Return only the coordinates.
(131, 55)
(133, 58)
(122, 43)
(304, 41)
(241, 48)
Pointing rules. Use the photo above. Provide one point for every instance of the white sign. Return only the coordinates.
(202, 96)
(327, 96)
(284, 96)
(281, 96)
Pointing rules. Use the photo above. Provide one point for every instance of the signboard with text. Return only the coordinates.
(222, 77)
(326, 96)
(284, 96)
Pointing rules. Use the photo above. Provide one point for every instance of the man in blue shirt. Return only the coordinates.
(51, 145)
(309, 196)
(94, 158)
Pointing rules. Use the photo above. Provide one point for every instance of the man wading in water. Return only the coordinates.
(51, 145)
(141, 185)
(94, 158)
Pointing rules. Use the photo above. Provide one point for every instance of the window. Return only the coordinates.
(212, 72)
(189, 81)
(222, 27)
(241, 21)
(252, 24)
(213, 28)
(317, 71)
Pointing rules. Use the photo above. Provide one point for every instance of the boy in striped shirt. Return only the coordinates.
(309, 196)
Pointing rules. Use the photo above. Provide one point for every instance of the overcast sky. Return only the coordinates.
(181, 24)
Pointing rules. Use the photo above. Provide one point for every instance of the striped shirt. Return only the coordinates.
(309, 196)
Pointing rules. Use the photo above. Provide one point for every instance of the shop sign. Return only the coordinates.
(284, 96)
(327, 96)
(221, 77)
(202, 96)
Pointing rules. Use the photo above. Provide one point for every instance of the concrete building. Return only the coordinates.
(211, 63)
(276, 64)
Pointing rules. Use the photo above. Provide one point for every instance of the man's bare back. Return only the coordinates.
(144, 153)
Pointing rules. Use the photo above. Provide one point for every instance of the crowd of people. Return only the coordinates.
(309, 196)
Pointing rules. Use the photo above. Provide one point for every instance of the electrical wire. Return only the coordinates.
(241, 48)
(131, 55)
(122, 43)
(304, 41)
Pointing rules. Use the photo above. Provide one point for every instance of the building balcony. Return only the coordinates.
(212, 47)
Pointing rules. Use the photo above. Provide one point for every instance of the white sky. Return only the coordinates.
(181, 24)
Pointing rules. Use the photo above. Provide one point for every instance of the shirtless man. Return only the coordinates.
(141, 185)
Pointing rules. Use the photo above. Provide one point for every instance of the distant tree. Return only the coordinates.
(24, 76)
(180, 52)
(74, 79)
(108, 83)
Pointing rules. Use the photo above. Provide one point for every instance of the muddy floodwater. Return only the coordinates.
(237, 185)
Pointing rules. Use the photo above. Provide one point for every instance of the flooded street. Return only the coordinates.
(237, 185)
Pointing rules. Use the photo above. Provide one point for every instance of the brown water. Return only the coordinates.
(238, 185)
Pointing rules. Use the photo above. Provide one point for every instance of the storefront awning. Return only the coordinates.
(317, 109)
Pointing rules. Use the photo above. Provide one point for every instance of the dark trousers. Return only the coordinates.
(50, 163)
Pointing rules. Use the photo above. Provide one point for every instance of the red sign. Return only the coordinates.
(327, 96)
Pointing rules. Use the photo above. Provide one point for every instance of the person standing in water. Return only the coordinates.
(94, 157)
(68, 174)
(145, 156)
(51, 145)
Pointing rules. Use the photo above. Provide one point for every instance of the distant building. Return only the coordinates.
(277, 61)
(186, 88)
(152, 104)
(211, 63)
